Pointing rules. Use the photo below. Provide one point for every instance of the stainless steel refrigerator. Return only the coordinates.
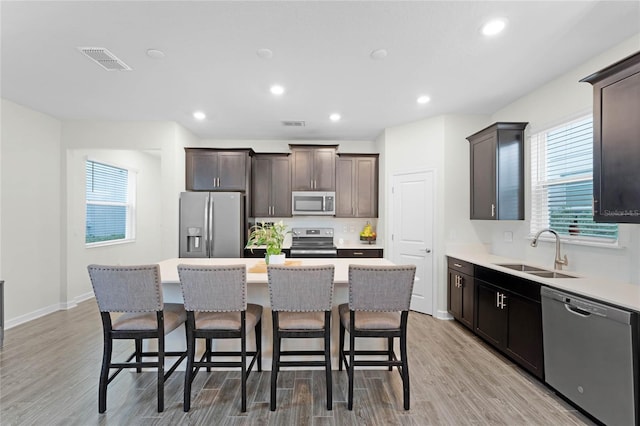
(212, 224)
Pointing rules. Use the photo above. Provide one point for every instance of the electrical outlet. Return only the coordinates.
(345, 229)
(352, 228)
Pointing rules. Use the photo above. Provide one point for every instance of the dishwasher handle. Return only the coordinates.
(581, 306)
(577, 311)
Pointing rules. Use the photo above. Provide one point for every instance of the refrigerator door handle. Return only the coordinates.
(211, 222)
(206, 226)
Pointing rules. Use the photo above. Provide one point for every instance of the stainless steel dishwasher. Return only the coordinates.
(588, 355)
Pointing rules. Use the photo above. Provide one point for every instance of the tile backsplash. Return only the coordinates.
(346, 230)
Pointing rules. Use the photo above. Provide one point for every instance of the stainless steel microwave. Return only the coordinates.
(313, 203)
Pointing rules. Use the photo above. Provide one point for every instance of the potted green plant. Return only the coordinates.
(271, 236)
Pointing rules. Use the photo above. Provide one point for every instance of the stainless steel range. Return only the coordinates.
(312, 242)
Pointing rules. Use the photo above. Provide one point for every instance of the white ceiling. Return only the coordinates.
(320, 54)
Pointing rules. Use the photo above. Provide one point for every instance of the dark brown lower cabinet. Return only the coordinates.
(360, 253)
(461, 294)
(509, 316)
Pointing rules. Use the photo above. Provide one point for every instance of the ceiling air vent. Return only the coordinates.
(292, 123)
(104, 58)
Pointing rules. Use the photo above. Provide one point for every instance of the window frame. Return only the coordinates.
(539, 188)
(130, 205)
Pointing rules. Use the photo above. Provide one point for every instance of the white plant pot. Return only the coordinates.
(276, 259)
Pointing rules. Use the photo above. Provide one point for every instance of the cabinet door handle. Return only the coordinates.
(457, 265)
(497, 299)
(358, 253)
(461, 281)
(493, 210)
(502, 304)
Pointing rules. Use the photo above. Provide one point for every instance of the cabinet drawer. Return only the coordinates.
(460, 265)
(359, 252)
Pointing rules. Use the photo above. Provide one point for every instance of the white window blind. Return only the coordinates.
(109, 196)
(562, 183)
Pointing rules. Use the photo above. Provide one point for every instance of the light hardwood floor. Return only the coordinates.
(49, 373)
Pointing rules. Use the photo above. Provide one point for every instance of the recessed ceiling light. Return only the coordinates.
(155, 53)
(335, 117)
(494, 27)
(379, 54)
(199, 115)
(264, 53)
(423, 99)
(276, 89)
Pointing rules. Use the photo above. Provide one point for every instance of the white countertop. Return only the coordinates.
(359, 246)
(169, 267)
(617, 293)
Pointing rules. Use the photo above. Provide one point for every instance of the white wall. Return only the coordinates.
(436, 144)
(42, 194)
(557, 101)
(31, 212)
(166, 139)
(147, 247)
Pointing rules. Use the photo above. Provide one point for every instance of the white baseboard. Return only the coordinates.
(444, 315)
(13, 322)
(63, 306)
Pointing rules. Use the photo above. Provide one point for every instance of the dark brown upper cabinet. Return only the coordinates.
(616, 141)
(357, 185)
(271, 185)
(497, 172)
(209, 169)
(313, 167)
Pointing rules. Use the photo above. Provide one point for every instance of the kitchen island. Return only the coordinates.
(258, 292)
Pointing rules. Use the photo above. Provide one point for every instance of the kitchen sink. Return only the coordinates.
(521, 267)
(551, 274)
(534, 270)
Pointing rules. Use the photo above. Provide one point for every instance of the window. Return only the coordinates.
(562, 183)
(110, 207)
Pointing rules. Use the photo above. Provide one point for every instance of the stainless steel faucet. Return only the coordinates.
(560, 261)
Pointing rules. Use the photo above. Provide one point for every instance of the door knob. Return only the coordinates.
(427, 250)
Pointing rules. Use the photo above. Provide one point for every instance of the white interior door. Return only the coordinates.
(412, 232)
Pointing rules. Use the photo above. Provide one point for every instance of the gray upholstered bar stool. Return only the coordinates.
(301, 300)
(379, 299)
(136, 292)
(215, 298)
